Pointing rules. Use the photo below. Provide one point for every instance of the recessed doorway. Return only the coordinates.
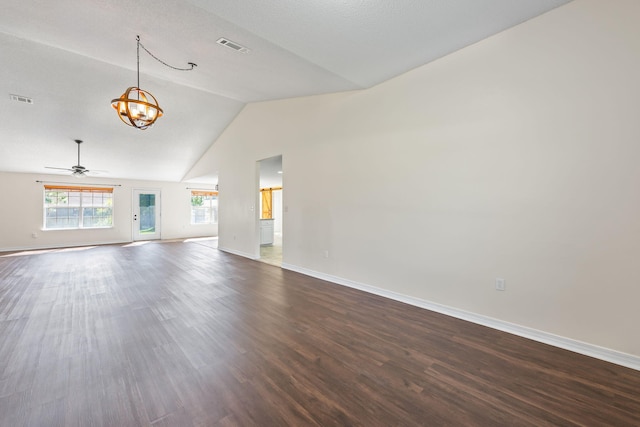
(270, 212)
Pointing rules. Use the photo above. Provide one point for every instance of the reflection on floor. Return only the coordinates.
(272, 254)
(211, 242)
(268, 254)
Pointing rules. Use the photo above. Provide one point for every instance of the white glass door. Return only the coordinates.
(146, 214)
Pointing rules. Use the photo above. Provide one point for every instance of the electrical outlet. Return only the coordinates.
(501, 284)
(326, 254)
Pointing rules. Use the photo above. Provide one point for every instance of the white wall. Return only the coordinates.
(516, 157)
(277, 211)
(21, 213)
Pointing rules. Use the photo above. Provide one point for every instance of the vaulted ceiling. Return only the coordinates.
(72, 57)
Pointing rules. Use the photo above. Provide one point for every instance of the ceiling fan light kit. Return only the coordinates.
(137, 107)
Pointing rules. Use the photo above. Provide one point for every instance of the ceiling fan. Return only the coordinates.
(78, 170)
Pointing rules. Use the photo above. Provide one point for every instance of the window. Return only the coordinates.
(77, 207)
(204, 207)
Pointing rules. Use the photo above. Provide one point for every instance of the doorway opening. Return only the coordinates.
(270, 213)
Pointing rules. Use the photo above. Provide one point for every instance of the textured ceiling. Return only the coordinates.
(73, 57)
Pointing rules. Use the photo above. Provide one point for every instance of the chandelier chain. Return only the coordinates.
(191, 64)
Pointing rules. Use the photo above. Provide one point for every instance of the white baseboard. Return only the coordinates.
(239, 253)
(62, 246)
(602, 353)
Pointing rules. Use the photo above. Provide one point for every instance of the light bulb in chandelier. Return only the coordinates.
(137, 107)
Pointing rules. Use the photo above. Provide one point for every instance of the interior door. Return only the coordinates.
(146, 214)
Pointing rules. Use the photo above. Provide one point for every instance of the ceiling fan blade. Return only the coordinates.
(62, 169)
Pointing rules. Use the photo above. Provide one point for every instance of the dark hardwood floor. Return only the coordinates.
(181, 334)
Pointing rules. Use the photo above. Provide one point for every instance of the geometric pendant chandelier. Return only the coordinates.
(137, 107)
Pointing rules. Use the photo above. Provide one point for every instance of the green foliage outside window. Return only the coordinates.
(197, 200)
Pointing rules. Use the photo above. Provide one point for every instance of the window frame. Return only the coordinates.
(212, 209)
(80, 193)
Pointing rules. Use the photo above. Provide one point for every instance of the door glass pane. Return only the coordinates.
(147, 213)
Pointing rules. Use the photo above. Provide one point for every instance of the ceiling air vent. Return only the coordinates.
(21, 98)
(232, 45)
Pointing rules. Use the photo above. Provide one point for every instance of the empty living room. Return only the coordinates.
(452, 185)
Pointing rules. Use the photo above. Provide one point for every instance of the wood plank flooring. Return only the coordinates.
(181, 334)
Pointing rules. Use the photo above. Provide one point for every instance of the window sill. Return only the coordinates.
(76, 228)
